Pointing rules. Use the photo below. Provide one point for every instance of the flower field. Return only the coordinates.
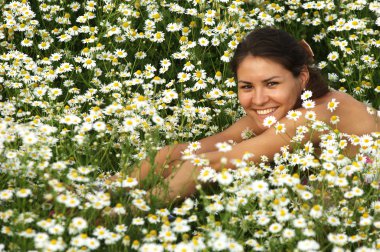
(92, 88)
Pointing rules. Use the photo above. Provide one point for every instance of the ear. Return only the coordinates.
(304, 77)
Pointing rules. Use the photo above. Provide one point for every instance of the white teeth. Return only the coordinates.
(265, 111)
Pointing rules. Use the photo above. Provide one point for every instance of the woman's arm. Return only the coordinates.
(232, 133)
(271, 140)
(182, 182)
(170, 155)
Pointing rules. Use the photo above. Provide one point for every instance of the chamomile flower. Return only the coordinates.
(141, 204)
(23, 193)
(334, 119)
(282, 214)
(77, 225)
(140, 55)
(294, 115)
(332, 105)
(333, 56)
(300, 222)
(129, 124)
(310, 115)
(365, 220)
(357, 191)
(101, 232)
(71, 120)
(203, 41)
(333, 220)
(259, 186)
(308, 104)
(44, 45)
(269, 121)
(197, 161)
(247, 133)
(376, 206)
(306, 195)
(307, 94)
(275, 228)
(308, 245)
(173, 27)
(280, 128)
(92, 243)
(263, 220)
(194, 146)
(316, 211)
(6, 194)
(27, 42)
(207, 174)
(138, 221)
(338, 239)
(223, 147)
(224, 177)
(88, 63)
(120, 53)
(99, 126)
(56, 229)
(188, 67)
(158, 37)
(183, 76)
(129, 182)
(288, 233)
(309, 232)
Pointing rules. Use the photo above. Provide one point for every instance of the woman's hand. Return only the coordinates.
(170, 153)
(180, 184)
(161, 164)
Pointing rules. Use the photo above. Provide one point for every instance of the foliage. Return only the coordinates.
(91, 88)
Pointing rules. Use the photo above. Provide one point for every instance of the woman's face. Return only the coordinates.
(266, 88)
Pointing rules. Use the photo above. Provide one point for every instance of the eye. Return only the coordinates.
(272, 84)
(246, 86)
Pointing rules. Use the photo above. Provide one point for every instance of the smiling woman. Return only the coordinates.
(275, 83)
(266, 88)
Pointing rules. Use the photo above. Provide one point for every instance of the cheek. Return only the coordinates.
(244, 99)
(294, 96)
(287, 97)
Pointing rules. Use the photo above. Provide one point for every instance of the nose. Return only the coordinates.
(260, 97)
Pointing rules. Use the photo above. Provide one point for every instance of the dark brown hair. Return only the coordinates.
(281, 47)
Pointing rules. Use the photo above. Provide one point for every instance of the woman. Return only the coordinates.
(272, 70)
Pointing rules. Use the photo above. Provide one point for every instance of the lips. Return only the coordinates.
(265, 111)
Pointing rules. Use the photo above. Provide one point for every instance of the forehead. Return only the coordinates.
(260, 67)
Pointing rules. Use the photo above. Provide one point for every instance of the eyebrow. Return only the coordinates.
(264, 81)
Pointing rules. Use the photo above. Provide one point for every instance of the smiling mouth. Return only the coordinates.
(265, 111)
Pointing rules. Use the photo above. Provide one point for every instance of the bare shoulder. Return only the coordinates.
(338, 96)
(354, 117)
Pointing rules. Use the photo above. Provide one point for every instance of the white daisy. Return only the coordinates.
(223, 147)
(332, 105)
(269, 121)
